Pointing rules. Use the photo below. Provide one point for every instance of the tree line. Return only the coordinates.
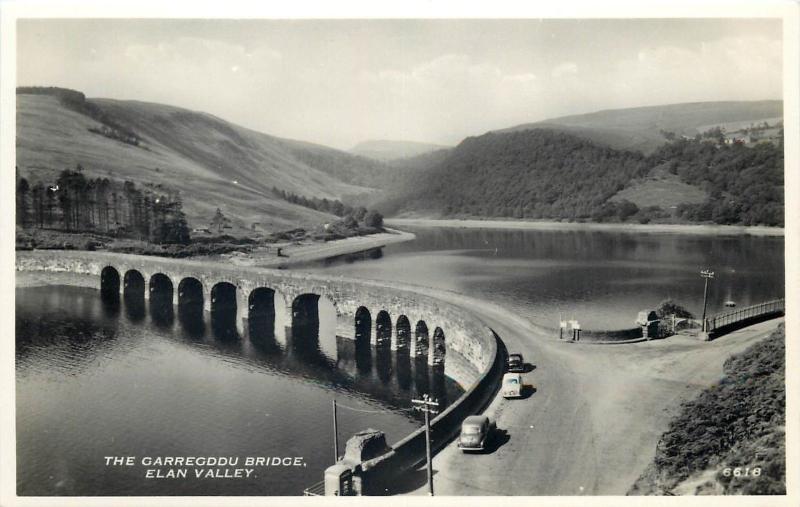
(370, 218)
(75, 203)
(72, 99)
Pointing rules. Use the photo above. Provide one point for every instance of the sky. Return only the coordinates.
(340, 82)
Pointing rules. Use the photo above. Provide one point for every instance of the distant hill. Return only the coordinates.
(550, 174)
(523, 174)
(212, 162)
(387, 150)
(640, 128)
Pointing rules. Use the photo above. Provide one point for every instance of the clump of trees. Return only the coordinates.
(111, 127)
(352, 216)
(75, 203)
(219, 221)
(745, 184)
(332, 206)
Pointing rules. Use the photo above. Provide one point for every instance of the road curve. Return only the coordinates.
(592, 425)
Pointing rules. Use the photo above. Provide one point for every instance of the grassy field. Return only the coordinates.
(212, 162)
(664, 191)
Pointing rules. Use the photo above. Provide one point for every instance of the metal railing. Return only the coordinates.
(777, 306)
(317, 489)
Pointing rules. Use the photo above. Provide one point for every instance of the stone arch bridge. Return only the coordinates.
(370, 312)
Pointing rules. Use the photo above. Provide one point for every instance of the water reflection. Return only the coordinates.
(376, 370)
(161, 309)
(156, 382)
(134, 306)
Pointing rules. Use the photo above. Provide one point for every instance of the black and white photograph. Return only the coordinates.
(415, 253)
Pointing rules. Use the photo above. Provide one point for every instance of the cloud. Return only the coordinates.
(733, 68)
(565, 69)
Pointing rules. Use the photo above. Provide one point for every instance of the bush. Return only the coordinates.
(739, 422)
(373, 219)
(669, 307)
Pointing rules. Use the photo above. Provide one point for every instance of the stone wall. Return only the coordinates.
(613, 335)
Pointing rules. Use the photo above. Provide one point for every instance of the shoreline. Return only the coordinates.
(304, 253)
(534, 225)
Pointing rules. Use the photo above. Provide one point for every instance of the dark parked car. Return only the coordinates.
(475, 433)
(515, 363)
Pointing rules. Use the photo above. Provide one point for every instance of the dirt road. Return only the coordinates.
(593, 423)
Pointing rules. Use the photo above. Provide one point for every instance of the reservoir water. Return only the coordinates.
(601, 278)
(99, 379)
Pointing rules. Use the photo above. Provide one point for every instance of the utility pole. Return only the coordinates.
(706, 274)
(428, 406)
(335, 435)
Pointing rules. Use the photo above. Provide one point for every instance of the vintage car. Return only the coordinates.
(476, 430)
(512, 385)
(515, 363)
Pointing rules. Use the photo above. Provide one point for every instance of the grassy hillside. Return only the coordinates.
(213, 163)
(740, 422)
(387, 150)
(640, 128)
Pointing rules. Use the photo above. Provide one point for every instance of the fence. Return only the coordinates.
(317, 489)
(731, 319)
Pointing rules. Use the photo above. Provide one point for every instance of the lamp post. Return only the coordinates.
(706, 274)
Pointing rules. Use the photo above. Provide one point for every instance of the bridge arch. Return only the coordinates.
(190, 292)
(261, 312)
(383, 328)
(223, 309)
(109, 281)
(161, 287)
(421, 339)
(134, 285)
(161, 298)
(305, 311)
(438, 349)
(363, 327)
(223, 296)
(190, 306)
(402, 333)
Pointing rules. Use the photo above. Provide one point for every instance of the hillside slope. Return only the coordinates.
(546, 174)
(531, 174)
(738, 423)
(640, 128)
(387, 150)
(212, 162)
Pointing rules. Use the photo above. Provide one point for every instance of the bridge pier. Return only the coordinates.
(207, 298)
(242, 311)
